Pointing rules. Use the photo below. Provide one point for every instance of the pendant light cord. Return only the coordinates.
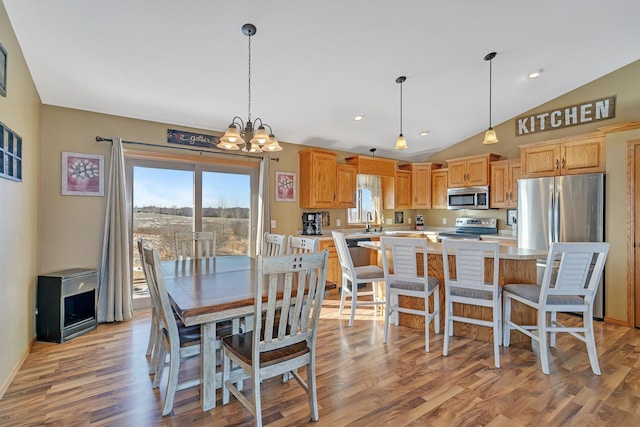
(490, 74)
(401, 83)
(249, 80)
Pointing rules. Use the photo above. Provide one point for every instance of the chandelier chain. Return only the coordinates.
(490, 73)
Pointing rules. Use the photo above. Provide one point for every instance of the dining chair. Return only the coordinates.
(195, 244)
(353, 276)
(299, 245)
(285, 328)
(569, 284)
(399, 263)
(470, 285)
(273, 244)
(173, 338)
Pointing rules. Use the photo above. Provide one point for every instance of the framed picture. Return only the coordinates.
(398, 217)
(82, 174)
(285, 186)
(512, 216)
(3, 71)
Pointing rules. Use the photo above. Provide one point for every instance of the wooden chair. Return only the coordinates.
(273, 244)
(471, 288)
(569, 284)
(198, 244)
(400, 268)
(300, 245)
(285, 328)
(353, 276)
(172, 338)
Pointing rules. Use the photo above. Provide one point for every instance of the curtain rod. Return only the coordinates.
(101, 139)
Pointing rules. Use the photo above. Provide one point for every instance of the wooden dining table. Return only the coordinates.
(207, 291)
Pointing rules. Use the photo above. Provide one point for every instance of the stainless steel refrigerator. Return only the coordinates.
(561, 209)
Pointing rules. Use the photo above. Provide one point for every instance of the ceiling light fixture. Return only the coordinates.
(535, 74)
(424, 133)
(242, 134)
(401, 142)
(358, 117)
(490, 135)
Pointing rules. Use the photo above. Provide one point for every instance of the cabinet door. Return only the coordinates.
(477, 172)
(403, 190)
(346, 186)
(539, 161)
(515, 172)
(334, 273)
(499, 192)
(457, 174)
(582, 156)
(421, 186)
(317, 179)
(439, 189)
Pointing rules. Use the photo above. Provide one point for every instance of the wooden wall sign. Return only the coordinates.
(193, 139)
(586, 112)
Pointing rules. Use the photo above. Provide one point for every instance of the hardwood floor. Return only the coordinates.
(101, 379)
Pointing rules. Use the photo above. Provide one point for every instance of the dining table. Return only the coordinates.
(207, 291)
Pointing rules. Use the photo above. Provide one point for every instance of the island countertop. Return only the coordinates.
(505, 252)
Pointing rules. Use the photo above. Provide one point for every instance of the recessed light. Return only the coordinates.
(535, 74)
(424, 133)
(358, 117)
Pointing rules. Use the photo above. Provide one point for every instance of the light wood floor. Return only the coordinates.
(101, 379)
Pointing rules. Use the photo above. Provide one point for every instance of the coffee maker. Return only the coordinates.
(312, 223)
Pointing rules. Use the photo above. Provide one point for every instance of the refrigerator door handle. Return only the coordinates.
(552, 214)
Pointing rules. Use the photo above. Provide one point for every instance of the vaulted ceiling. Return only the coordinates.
(316, 65)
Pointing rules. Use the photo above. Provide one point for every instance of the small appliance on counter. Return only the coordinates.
(312, 223)
(419, 222)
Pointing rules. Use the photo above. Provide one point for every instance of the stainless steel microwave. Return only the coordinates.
(468, 198)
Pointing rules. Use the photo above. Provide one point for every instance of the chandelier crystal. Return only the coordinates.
(239, 134)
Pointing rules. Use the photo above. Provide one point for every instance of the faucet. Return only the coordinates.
(369, 218)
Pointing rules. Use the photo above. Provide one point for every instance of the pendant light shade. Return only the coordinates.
(490, 136)
(241, 134)
(401, 142)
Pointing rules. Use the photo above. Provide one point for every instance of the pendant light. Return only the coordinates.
(240, 134)
(490, 135)
(401, 142)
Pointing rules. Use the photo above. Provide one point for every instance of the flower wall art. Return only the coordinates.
(285, 186)
(82, 174)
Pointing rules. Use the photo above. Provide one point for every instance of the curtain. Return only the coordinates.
(264, 212)
(114, 287)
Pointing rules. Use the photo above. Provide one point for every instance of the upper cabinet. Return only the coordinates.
(346, 186)
(569, 156)
(439, 185)
(470, 171)
(403, 190)
(504, 177)
(369, 165)
(420, 183)
(317, 178)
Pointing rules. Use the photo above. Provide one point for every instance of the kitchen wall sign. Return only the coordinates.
(579, 114)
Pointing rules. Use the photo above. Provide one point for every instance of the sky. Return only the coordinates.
(169, 188)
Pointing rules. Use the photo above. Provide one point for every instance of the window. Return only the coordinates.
(368, 201)
(10, 154)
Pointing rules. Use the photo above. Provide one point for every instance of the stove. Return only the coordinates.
(471, 228)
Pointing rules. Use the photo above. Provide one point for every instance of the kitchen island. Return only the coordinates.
(517, 265)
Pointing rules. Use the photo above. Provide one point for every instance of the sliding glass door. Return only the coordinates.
(168, 196)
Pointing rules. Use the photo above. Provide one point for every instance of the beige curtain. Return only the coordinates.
(114, 288)
(264, 212)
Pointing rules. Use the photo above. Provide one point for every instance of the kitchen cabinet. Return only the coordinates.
(334, 272)
(504, 176)
(403, 190)
(470, 171)
(317, 178)
(369, 165)
(345, 186)
(568, 156)
(420, 183)
(439, 185)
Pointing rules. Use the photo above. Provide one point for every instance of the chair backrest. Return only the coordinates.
(273, 244)
(344, 257)
(399, 260)
(198, 244)
(574, 268)
(289, 294)
(150, 260)
(301, 245)
(470, 264)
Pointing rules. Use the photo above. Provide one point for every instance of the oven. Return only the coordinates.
(471, 229)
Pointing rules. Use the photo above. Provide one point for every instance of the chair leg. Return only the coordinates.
(506, 318)
(152, 333)
(387, 315)
(436, 310)
(354, 302)
(343, 295)
(497, 332)
(172, 383)
(542, 340)
(257, 404)
(159, 356)
(590, 340)
(448, 326)
(552, 333)
(311, 388)
(426, 327)
(226, 371)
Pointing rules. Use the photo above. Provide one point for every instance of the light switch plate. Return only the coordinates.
(338, 222)
(409, 220)
(444, 221)
(273, 223)
(388, 221)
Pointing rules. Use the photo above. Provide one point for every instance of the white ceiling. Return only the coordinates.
(316, 64)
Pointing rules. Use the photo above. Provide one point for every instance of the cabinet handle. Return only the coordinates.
(562, 163)
(557, 163)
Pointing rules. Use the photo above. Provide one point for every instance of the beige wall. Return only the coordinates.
(19, 208)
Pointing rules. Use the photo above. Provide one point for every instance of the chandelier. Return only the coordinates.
(251, 137)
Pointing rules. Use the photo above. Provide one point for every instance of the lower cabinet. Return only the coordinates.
(334, 273)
